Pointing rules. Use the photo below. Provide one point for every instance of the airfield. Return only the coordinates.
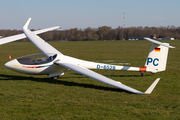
(75, 96)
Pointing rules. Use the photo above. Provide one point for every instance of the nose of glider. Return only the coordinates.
(10, 64)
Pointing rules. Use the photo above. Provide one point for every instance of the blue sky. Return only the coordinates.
(88, 13)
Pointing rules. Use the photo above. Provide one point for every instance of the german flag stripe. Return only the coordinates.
(157, 49)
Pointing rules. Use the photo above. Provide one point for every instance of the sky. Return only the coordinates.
(88, 13)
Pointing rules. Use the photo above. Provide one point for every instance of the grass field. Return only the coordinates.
(75, 96)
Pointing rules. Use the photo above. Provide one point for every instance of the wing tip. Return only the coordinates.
(27, 23)
(151, 88)
(172, 47)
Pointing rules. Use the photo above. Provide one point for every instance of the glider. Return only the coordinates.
(53, 63)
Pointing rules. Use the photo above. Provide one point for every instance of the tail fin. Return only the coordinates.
(157, 58)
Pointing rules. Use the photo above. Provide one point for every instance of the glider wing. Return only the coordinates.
(104, 79)
(22, 36)
(37, 41)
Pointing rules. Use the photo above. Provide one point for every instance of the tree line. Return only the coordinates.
(103, 33)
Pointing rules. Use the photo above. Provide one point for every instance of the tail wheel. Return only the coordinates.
(55, 77)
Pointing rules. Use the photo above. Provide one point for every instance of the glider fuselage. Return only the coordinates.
(40, 64)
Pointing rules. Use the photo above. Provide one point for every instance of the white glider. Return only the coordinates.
(54, 63)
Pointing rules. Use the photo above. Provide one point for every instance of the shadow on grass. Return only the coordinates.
(66, 83)
(116, 75)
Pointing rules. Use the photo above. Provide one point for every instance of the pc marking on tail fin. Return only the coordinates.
(157, 58)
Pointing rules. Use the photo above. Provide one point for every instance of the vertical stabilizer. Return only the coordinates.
(157, 58)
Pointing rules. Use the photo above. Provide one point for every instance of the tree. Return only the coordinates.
(102, 33)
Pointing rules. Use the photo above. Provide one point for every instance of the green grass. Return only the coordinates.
(75, 96)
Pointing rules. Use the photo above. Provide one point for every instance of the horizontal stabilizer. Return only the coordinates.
(153, 85)
(157, 42)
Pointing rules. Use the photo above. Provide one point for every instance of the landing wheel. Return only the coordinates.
(55, 77)
(142, 74)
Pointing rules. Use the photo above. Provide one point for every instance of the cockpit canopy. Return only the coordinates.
(36, 59)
